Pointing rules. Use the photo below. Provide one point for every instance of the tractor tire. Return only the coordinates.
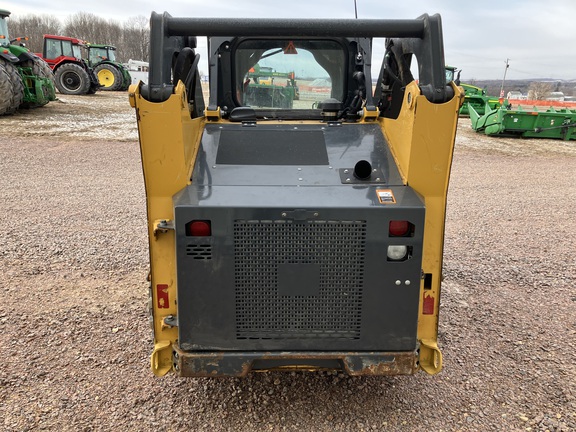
(17, 86)
(109, 77)
(127, 81)
(40, 69)
(6, 91)
(72, 79)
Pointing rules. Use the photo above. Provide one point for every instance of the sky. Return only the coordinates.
(537, 37)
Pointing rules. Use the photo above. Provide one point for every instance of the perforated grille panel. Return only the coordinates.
(199, 251)
(272, 305)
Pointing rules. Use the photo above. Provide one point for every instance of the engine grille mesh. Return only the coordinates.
(263, 312)
(199, 251)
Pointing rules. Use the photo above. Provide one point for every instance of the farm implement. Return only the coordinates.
(478, 99)
(553, 123)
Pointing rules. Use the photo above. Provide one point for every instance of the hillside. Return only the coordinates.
(493, 86)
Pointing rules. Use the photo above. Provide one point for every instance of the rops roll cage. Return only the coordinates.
(173, 56)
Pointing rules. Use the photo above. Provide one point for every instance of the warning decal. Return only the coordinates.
(162, 296)
(290, 48)
(385, 196)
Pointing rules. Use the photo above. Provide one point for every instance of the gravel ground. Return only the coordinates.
(74, 334)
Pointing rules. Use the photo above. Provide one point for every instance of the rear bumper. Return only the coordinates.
(239, 364)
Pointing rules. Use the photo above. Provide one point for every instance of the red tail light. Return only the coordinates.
(199, 228)
(399, 228)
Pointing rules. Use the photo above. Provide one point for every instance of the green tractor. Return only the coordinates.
(26, 81)
(473, 96)
(111, 74)
(261, 90)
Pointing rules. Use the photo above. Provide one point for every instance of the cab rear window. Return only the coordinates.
(288, 73)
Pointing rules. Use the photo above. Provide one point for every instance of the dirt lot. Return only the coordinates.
(74, 334)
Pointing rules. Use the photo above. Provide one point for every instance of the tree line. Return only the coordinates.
(131, 38)
(536, 90)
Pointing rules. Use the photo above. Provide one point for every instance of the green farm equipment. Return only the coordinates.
(262, 91)
(26, 81)
(474, 96)
(556, 124)
(111, 74)
(478, 99)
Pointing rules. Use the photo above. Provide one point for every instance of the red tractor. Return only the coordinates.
(71, 72)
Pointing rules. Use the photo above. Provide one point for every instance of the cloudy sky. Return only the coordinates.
(539, 37)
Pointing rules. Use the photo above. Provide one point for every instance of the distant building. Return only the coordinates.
(555, 96)
(516, 95)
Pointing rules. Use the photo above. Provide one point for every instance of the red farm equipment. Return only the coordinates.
(71, 72)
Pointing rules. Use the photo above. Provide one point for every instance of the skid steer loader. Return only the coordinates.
(308, 237)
